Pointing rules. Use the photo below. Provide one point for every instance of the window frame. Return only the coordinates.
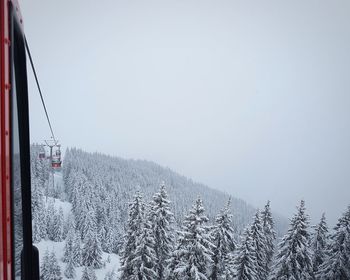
(18, 71)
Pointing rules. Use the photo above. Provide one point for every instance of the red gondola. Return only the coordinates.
(56, 162)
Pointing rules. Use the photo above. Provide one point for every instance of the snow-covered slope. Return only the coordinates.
(110, 261)
(123, 178)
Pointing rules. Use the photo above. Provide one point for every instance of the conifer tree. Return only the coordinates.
(244, 265)
(92, 252)
(50, 270)
(88, 274)
(77, 249)
(319, 243)
(69, 272)
(38, 210)
(270, 235)
(294, 257)
(144, 261)
(193, 255)
(55, 268)
(68, 248)
(51, 214)
(336, 265)
(45, 267)
(58, 226)
(39, 225)
(134, 229)
(162, 218)
(224, 244)
(259, 244)
(88, 223)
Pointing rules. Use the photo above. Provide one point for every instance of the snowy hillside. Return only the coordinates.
(108, 218)
(123, 177)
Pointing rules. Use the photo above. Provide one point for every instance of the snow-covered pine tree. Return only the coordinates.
(88, 223)
(222, 237)
(68, 224)
(270, 235)
(244, 265)
(259, 244)
(161, 219)
(133, 230)
(55, 268)
(336, 265)
(88, 274)
(51, 214)
(92, 252)
(294, 257)
(144, 261)
(68, 247)
(36, 229)
(45, 267)
(195, 248)
(38, 210)
(319, 242)
(77, 249)
(50, 270)
(69, 272)
(57, 228)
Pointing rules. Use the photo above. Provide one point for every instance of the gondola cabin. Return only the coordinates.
(42, 155)
(56, 162)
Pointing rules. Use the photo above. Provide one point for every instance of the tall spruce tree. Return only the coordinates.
(319, 243)
(133, 231)
(69, 271)
(68, 247)
(55, 268)
(161, 219)
(88, 274)
(57, 226)
(336, 266)
(193, 256)
(50, 270)
(77, 249)
(294, 257)
(259, 244)
(92, 252)
(244, 265)
(38, 210)
(270, 235)
(222, 237)
(45, 267)
(144, 261)
(51, 214)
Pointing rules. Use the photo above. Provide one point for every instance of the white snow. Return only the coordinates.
(58, 247)
(66, 206)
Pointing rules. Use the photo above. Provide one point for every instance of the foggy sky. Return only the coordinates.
(250, 97)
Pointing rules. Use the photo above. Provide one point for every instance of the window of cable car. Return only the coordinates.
(16, 184)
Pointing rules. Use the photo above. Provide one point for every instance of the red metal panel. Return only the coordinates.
(6, 247)
(6, 260)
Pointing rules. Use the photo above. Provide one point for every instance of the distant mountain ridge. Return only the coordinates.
(124, 177)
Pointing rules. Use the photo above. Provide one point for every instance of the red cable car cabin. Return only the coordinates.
(19, 259)
(56, 162)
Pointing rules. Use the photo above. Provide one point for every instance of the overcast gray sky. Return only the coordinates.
(251, 97)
